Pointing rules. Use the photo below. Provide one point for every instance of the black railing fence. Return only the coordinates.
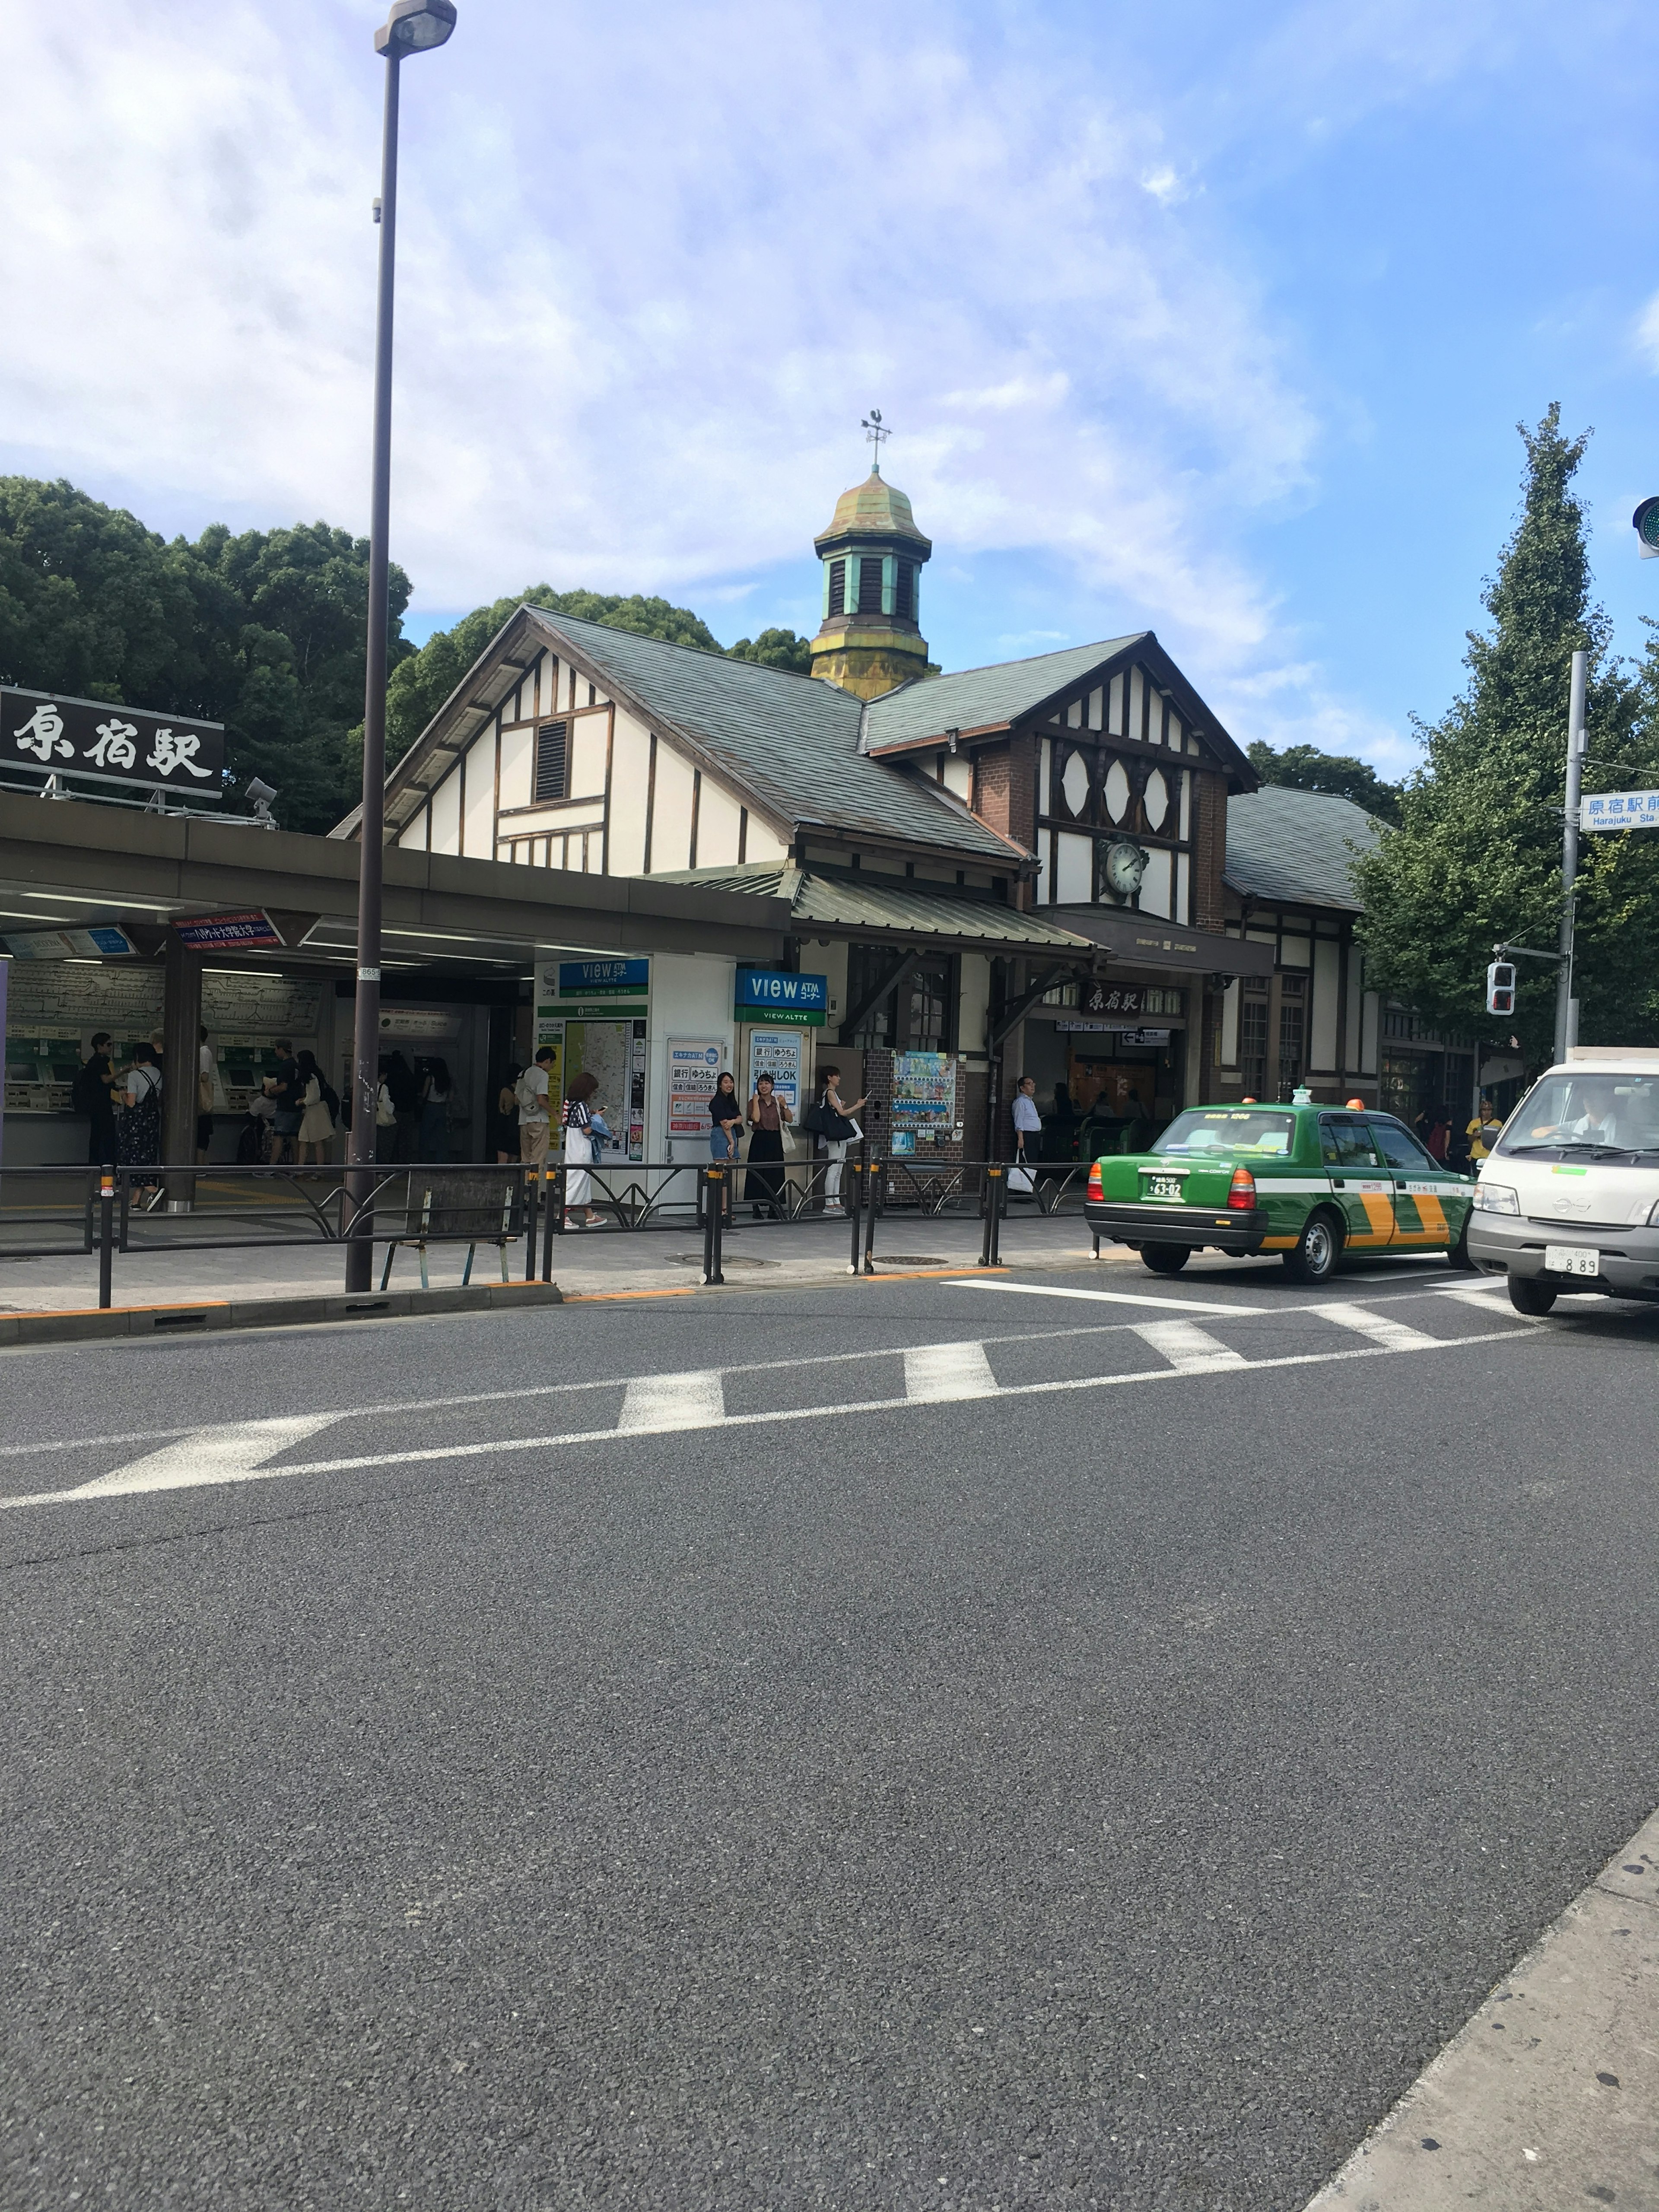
(120, 1211)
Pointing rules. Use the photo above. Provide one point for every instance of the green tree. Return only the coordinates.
(422, 684)
(776, 648)
(1304, 767)
(1476, 858)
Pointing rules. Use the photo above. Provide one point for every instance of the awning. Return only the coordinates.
(1142, 940)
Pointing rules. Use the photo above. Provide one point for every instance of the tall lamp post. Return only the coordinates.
(412, 27)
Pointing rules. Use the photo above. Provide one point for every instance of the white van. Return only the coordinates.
(1568, 1199)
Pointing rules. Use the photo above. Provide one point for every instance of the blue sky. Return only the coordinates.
(1211, 320)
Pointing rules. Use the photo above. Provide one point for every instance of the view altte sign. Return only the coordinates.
(55, 735)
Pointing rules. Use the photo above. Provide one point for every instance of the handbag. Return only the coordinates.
(1022, 1183)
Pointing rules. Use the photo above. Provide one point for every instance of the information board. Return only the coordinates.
(694, 1063)
(777, 1053)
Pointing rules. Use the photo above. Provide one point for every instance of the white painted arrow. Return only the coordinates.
(235, 1451)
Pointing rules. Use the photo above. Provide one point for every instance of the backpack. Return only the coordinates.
(526, 1092)
(331, 1098)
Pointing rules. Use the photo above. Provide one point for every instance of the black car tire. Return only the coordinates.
(1458, 1254)
(1528, 1296)
(1317, 1249)
(1165, 1258)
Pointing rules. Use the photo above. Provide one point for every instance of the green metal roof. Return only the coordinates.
(976, 698)
(794, 740)
(1295, 846)
(889, 906)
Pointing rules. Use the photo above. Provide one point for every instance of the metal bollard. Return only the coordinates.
(995, 1183)
(553, 1224)
(858, 1168)
(871, 1193)
(713, 1184)
(106, 1234)
(532, 1192)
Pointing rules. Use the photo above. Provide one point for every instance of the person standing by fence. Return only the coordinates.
(768, 1117)
(317, 1104)
(141, 1124)
(579, 1153)
(838, 1126)
(530, 1091)
(95, 1090)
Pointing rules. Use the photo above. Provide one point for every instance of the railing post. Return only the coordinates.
(856, 1209)
(532, 1190)
(554, 1224)
(990, 1250)
(105, 1233)
(713, 1181)
(872, 1191)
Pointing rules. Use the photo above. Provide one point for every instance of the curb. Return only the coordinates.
(208, 1315)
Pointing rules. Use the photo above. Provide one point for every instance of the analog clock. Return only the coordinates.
(1122, 865)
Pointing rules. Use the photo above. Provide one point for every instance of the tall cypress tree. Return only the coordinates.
(1476, 858)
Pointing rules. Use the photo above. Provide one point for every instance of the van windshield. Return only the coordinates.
(1587, 1117)
(1229, 1129)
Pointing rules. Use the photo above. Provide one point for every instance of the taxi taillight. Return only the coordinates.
(1242, 1194)
(1094, 1179)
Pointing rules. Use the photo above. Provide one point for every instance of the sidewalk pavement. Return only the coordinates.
(587, 1263)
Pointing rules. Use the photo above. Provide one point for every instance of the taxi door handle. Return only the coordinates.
(1338, 1182)
(1399, 1186)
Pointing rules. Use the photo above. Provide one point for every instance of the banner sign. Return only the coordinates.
(230, 932)
(801, 1000)
(693, 1065)
(111, 744)
(1134, 998)
(103, 942)
(1620, 810)
(567, 990)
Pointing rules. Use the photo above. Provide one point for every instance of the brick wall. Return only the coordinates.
(1005, 788)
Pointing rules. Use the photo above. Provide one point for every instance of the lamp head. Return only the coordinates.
(415, 25)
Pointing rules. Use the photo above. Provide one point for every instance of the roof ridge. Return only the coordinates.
(673, 644)
(989, 667)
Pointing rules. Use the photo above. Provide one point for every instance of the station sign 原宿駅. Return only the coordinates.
(55, 735)
(1620, 810)
(769, 994)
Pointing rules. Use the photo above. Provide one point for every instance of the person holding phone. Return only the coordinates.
(830, 1099)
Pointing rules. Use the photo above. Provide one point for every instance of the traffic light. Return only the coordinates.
(1645, 523)
(1500, 988)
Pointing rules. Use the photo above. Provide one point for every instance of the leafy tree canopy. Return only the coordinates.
(1476, 858)
(1304, 767)
(776, 648)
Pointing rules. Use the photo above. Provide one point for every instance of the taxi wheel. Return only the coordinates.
(1317, 1250)
(1528, 1296)
(1165, 1258)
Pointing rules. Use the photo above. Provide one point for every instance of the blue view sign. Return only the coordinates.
(604, 979)
(765, 995)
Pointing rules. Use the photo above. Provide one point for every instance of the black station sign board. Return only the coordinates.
(52, 733)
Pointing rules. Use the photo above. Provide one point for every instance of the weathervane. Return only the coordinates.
(874, 434)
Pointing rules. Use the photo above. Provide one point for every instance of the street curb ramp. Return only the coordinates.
(203, 1316)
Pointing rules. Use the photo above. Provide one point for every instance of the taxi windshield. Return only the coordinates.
(1229, 1129)
(1587, 1117)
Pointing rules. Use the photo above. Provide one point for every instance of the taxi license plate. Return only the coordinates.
(1571, 1260)
(1163, 1186)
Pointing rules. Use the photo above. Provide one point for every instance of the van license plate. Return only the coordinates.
(1163, 1186)
(1571, 1260)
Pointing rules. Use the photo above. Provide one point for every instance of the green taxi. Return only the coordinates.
(1305, 1181)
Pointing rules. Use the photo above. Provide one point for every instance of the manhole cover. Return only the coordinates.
(915, 1259)
(727, 1259)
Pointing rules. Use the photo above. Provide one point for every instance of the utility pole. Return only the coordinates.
(1566, 1002)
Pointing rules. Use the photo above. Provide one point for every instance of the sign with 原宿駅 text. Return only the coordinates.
(60, 736)
(1620, 810)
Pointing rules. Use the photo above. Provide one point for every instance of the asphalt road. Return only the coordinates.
(1094, 1760)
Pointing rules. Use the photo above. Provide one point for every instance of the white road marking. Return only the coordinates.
(1189, 1349)
(657, 1402)
(496, 1447)
(1101, 1298)
(1557, 2071)
(1485, 1300)
(233, 1452)
(935, 1373)
(1392, 1335)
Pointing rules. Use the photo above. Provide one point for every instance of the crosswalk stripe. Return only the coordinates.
(655, 1402)
(1097, 1297)
(1189, 1349)
(1396, 1335)
(1487, 1298)
(934, 1373)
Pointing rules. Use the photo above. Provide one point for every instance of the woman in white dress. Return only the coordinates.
(578, 1152)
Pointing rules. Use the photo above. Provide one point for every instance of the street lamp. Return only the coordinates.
(412, 27)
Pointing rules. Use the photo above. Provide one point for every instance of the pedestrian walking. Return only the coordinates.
(95, 1096)
(320, 1104)
(207, 1087)
(579, 1153)
(530, 1091)
(289, 1094)
(504, 1121)
(1028, 1124)
(140, 1135)
(434, 1111)
(838, 1126)
(768, 1117)
(1484, 1131)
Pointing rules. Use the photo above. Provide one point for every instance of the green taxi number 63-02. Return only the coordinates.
(1307, 1182)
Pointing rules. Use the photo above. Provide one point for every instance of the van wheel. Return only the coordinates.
(1316, 1252)
(1165, 1258)
(1529, 1296)
(1458, 1254)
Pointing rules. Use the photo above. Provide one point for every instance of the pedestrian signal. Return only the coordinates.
(1500, 988)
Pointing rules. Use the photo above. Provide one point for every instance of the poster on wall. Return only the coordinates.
(693, 1065)
(613, 1053)
(777, 1053)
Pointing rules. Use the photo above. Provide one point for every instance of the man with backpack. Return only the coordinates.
(530, 1091)
(93, 1095)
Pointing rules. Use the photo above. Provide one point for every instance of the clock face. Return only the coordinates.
(1126, 864)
